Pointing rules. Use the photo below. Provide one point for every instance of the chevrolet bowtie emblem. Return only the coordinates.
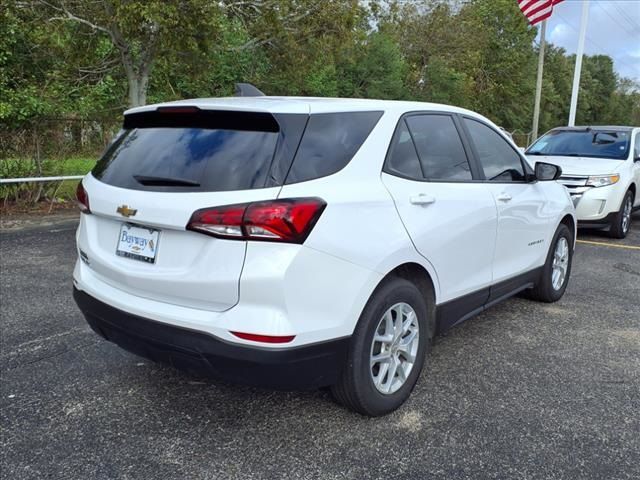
(125, 211)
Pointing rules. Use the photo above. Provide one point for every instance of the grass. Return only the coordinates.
(69, 166)
(26, 167)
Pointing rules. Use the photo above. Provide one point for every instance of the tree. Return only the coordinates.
(505, 72)
(141, 30)
(89, 59)
(556, 88)
(304, 40)
(373, 68)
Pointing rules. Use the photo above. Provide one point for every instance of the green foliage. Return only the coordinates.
(444, 84)
(90, 60)
(27, 167)
(374, 68)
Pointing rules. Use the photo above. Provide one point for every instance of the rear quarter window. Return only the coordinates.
(329, 142)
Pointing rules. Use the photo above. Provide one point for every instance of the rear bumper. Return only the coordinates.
(295, 368)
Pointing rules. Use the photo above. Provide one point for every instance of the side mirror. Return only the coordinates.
(546, 171)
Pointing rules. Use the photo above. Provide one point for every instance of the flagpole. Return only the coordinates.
(536, 106)
(579, 54)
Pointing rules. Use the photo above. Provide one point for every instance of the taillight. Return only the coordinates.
(83, 198)
(289, 220)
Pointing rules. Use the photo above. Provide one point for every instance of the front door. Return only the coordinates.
(522, 223)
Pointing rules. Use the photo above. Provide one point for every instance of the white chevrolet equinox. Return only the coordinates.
(305, 242)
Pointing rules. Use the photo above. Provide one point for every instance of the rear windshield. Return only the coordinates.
(187, 149)
(189, 158)
(583, 143)
(224, 151)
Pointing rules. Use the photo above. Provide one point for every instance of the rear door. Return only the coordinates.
(449, 216)
(142, 193)
(523, 223)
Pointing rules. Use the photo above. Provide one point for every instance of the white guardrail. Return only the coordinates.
(62, 178)
(40, 179)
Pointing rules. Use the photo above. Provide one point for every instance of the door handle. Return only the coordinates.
(422, 199)
(504, 197)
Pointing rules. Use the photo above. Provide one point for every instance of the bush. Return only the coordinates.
(34, 192)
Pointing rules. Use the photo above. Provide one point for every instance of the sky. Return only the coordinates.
(613, 28)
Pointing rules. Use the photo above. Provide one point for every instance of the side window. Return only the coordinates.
(329, 142)
(403, 158)
(500, 162)
(439, 147)
(636, 149)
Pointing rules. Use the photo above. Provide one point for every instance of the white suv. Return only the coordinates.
(601, 170)
(301, 242)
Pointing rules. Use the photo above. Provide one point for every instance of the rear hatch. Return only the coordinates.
(167, 164)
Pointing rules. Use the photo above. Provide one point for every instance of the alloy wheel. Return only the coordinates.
(560, 263)
(626, 215)
(394, 348)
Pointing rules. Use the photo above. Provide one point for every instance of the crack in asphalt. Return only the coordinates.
(51, 356)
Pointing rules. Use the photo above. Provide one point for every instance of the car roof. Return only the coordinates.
(304, 105)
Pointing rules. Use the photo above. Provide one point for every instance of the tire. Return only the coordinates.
(621, 221)
(545, 289)
(356, 389)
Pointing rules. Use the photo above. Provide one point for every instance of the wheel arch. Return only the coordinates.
(570, 221)
(419, 276)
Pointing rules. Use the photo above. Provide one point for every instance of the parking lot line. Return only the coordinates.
(605, 244)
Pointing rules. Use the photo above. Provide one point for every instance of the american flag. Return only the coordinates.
(537, 10)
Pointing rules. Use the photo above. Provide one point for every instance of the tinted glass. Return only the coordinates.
(439, 147)
(636, 150)
(498, 159)
(329, 142)
(202, 159)
(403, 158)
(583, 143)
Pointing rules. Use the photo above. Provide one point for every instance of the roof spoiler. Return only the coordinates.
(247, 90)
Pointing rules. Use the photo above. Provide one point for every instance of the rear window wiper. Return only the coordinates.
(151, 181)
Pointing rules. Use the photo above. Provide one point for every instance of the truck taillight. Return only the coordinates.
(83, 198)
(288, 220)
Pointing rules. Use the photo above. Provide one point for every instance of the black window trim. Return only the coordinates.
(476, 172)
(528, 171)
(635, 151)
(279, 159)
(386, 167)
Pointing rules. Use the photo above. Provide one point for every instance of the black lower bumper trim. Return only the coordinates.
(602, 223)
(297, 368)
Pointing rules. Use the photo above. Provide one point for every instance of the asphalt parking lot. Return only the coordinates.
(524, 390)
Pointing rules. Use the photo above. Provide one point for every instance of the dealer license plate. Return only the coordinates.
(138, 243)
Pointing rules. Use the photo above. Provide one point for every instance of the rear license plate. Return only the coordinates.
(138, 243)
